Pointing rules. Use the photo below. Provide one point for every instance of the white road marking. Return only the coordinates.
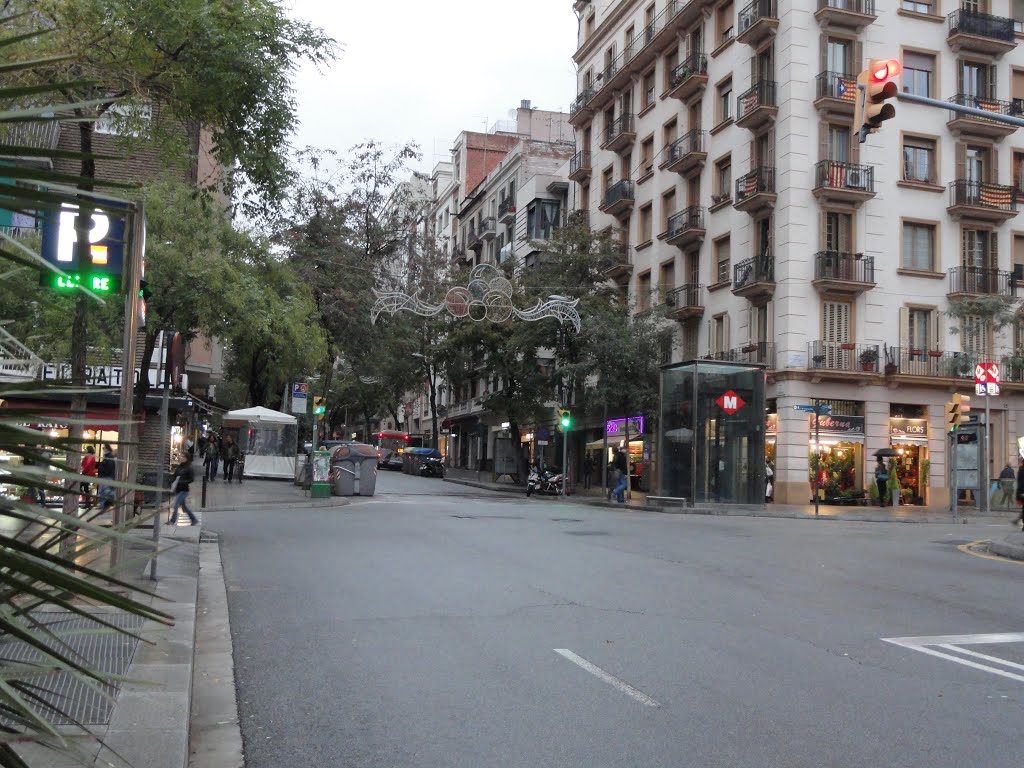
(953, 642)
(612, 680)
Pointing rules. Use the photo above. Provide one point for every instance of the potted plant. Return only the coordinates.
(869, 360)
(935, 353)
(891, 356)
(847, 345)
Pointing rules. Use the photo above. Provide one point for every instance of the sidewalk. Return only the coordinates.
(147, 723)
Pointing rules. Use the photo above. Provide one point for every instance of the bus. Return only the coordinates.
(388, 440)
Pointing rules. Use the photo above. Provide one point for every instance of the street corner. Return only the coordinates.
(1008, 548)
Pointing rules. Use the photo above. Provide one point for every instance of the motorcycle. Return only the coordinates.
(432, 467)
(549, 481)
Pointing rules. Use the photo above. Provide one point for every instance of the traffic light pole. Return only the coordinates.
(953, 492)
(962, 109)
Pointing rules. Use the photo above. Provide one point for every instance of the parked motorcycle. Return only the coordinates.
(549, 481)
(431, 467)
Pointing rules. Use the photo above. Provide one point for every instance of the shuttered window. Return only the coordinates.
(979, 249)
(972, 335)
(835, 322)
(836, 231)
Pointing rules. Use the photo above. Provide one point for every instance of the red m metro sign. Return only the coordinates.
(730, 402)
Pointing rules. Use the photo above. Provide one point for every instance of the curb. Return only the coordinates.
(1007, 548)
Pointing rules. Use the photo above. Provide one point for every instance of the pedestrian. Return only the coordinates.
(212, 458)
(105, 471)
(230, 457)
(769, 488)
(37, 490)
(621, 465)
(182, 479)
(89, 470)
(588, 469)
(1006, 483)
(881, 480)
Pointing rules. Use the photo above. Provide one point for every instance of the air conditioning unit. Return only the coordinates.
(856, 178)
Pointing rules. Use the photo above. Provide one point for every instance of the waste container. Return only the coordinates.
(301, 468)
(354, 470)
(320, 487)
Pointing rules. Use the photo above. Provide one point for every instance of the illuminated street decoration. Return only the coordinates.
(487, 296)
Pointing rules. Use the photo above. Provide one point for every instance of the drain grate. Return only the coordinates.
(94, 646)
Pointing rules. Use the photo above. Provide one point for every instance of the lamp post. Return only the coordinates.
(562, 394)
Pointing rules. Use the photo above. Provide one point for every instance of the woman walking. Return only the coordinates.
(184, 475)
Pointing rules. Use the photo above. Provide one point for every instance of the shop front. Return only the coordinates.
(838, 441)
(629, 433)
(909, 439)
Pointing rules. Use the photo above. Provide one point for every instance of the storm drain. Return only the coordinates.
(89, 643)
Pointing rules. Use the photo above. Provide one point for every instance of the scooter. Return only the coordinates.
(549, 481)
(432, 467)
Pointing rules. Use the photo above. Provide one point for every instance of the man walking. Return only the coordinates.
(89, 470)
(230, 457)
(881, 480)
(212, 458)
(1006, 482)
(588, 468)
(621, 466)
(184, 475)
(105, 470)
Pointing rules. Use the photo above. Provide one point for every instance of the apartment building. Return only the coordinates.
(501, 196)
(717, 139)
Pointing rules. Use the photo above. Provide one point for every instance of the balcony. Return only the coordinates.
(687, 153)
(757, 106)
(966, 282)
(980, 33)
(686, 303)
(685, 228)
(488, 228)
(619, 198)
(754, 353)
(930, 363)
(460, 254)
(507, 210)
(843, 356)
(582, 108)
(971, 126)
(620, 263)
(620, 134)
(758, 22)
(845, 14)
(843, 182)
(689, 78)
(474, 241)
(843, 272)
(755, 190)
(579, 166)
(755, 278)
(836, 94)
(981, 202)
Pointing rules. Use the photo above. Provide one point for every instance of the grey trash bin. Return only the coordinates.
(354, 470)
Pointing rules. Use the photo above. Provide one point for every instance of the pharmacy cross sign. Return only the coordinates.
(730, 402)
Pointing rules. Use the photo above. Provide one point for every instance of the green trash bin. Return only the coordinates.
(320, 488)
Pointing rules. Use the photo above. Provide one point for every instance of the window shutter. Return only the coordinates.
(751, 324)
(822, 142)
(993, 166)
(905, 327)
(993, 250)
(992, 72)
(769, 321)
(959, 76)
(936, 329)
(726, 336)
(961, 160)
(858, 57)
(711, 338)
(823, 54)
(823, 231)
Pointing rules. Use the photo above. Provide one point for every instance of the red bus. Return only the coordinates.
(391, 441)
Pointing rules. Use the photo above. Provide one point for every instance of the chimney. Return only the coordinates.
(525, 104)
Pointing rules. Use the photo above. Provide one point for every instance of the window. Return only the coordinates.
(724, 102)
(668, 208)
(838, 54)
(835, 326)
(919, 327)
(973, 335)
(647, 156)
(648, 96)
(690, 341)
(606, 182)
(723, 180)
(666, 279)
(838, 143)
(718, 343)
(643, 234)
(918, 73)
(721, 248)
(724, 23)
(917, 6)
(665, 340)
(671, 62)
(125, 119)
(542, 219)
(976, 80)
(643, 292)
(918, 246)
(978, 248)
(837, 231)
(671, 132)
(1017, 9)
(919, 159)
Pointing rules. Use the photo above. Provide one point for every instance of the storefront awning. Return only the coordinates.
(41, 415)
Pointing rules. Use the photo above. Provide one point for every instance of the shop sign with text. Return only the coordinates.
(900, 427)
(842, 425)
(100, 375)
(617, 427)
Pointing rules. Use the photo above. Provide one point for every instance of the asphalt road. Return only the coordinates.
(436, 625)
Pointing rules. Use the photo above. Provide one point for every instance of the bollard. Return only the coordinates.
(203, 504)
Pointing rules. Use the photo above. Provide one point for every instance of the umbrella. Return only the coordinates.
(886, 452)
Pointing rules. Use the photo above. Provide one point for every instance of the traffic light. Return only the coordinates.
(319, 409)
(874, 87)
(957, 411)
(564, 420)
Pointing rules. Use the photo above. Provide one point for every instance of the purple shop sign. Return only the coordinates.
(617, 427)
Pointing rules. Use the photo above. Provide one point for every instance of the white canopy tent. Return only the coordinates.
(268, 439)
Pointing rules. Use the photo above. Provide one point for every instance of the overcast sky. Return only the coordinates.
(424, 70)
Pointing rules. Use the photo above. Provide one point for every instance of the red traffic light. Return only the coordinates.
(884, 70)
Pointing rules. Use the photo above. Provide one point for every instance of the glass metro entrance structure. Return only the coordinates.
(712, 437)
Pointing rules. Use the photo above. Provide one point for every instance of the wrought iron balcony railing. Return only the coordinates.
(757, 10)
(759, 269)
(967, 22)
(976, 193)
(867, 7)
(758, 180)
(761, 94)
(694, 64)
(690, 218)
(621, 125)
(845, 266)
(620, 190)
(580, 162)
(837, 85)
(981, 281)
(832, 174)
(692, 141)
(844, 356)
